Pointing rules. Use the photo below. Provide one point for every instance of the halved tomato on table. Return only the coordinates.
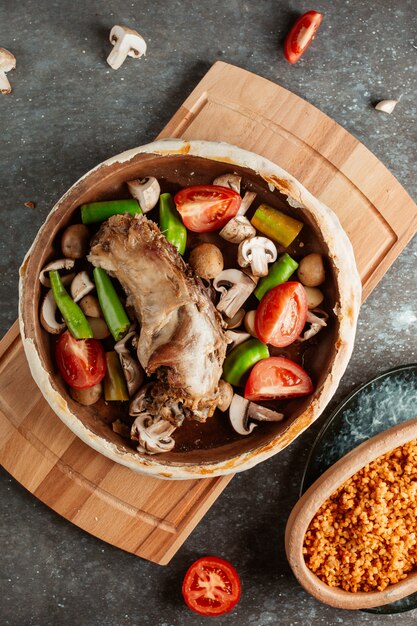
(281, 314)
(276, 378)
(211, 586)
(81, 362)
(301, 35)
(204, 208)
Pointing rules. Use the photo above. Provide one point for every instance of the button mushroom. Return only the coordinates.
(232, 181)
(241, 411)
(74, 241)
(146, 191)
(235, 288)
(311, 270)
(59, 264)
(7, 63)
(249, 323)
(239, 227)
(206, 259)
(90, 306)
(153, 434)
(133, 371)
(257, 252)
(314, 297)
(225, 395)
(87, 396)
(126, 42)
(81, 286)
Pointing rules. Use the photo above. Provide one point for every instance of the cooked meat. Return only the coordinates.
(181, 339)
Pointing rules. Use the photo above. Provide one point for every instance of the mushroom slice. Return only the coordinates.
(238, 413)
(153, 434)
(81, 286)
(236, 320)
(247, 200)
(235, 288)
(146, 191)
(225, 395)
(235, 338)
(48, 315)
(232, 181)
(257, 252)
(317, 320)
(59, 264)
(237, 229)
(126, 42)
(262, 414)
(132, 370)
(7, 63)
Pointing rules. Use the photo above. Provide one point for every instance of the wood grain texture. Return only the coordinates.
(144, 515)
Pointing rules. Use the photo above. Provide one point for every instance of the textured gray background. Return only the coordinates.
(68, 112)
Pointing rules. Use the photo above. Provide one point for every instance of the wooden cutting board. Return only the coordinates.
(147, 516)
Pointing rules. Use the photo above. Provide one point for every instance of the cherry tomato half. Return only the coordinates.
(275, 378)
(81, 362)
(211, 586)
(281, 314)
(301, 35)
(204, 208)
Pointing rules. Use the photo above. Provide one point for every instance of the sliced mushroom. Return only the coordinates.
(262, 414)
(153, 434)
(317, 320)
(126, 42)
(257, 252)
(48, 315)
(81, 286)
(249, 323)
(132, 369)
(239, 227)
(232, 181)
(140, 401)
(59, 264)
(206, 259)
(7, 63)
(235, 338)
(146, 191)
(87, 396)
(225, 395)
(75, 241)
(236, 320)
(238, 413)
(235, 288)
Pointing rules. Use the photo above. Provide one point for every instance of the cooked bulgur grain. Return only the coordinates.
(364, 537)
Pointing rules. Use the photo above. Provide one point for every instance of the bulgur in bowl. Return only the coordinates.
(350, 539)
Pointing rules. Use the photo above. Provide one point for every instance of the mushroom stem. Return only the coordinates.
(247, 200)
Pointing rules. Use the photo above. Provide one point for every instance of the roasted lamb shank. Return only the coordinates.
(181, 340)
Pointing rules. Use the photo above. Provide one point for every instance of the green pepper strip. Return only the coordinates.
(276, 225)
(114, 381)
(100, 211)
(241, 359)
(113, 311)
(278, 273)
(74, 318)
(170, 222)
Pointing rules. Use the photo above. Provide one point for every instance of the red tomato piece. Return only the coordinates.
(275, 378)
(211, 586)
(81, 362)
(301, 35)
(204, 208)
(281, 314)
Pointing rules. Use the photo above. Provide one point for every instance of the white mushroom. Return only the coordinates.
(206, 259)
(236, 320)
(81, 286)
(235, 338)
(241, 411)
(133, 371)
(146, 191)
(154, 434)
(239, 227)
(48, 315)
(249, 323)
(257, 252)
(235, 288)
(232, 181)
(314, 297)
(88, 396)
(387, 106)
(311, 271)
(7, 63)
(317, 320)
(225, 395)
(126, 42)
(59, 264)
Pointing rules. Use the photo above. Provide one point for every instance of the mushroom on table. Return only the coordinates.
(126, 42)
(7, 63)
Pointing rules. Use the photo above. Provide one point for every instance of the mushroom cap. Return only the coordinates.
(7, 60)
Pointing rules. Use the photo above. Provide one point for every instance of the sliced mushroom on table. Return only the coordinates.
(126, 42)
(7, 63)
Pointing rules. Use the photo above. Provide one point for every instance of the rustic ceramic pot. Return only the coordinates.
(179, 163)
(315, 496)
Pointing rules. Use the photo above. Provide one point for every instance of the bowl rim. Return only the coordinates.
(349, 286)
(307, 506)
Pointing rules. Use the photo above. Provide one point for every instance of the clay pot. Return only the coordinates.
(176, 164)
(315, 496)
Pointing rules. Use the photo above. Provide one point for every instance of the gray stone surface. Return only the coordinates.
(68, 112)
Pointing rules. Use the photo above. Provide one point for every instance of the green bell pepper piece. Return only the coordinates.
(75, 319)
(241, 359)
(276, 225)
(278, 273)
(100, 211)
(170, 222)
(113, 311)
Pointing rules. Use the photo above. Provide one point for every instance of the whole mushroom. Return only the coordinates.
(206, 259)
